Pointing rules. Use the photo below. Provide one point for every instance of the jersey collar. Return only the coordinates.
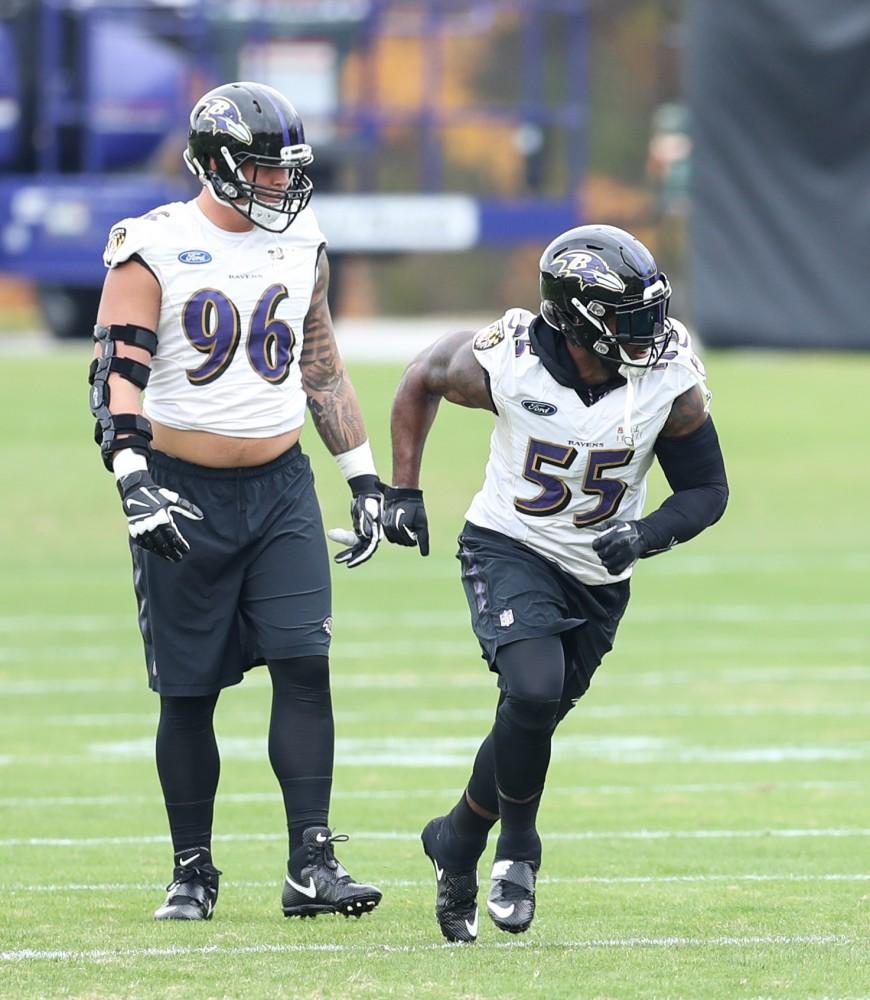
(551, 349)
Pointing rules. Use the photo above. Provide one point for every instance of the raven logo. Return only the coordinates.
(226, 117)
(589, 269)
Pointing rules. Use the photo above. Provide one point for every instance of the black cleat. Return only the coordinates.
(456, 899)
(511, 900)
(193, 892)
(324, 885)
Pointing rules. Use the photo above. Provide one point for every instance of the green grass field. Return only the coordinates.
(706, 823)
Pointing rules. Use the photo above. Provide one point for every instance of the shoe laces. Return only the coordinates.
(203, 873)
(325, 849)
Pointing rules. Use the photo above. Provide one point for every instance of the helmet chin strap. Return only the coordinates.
(267, 217)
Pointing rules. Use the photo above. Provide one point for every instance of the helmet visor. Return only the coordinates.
(645, 324)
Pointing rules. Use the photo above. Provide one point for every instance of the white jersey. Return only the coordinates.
(231, 314)
(556, 466)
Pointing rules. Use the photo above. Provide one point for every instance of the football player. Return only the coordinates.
(585, 395)
(219, 306)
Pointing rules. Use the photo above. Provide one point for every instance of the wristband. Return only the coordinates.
(127, 461)
(357, 462)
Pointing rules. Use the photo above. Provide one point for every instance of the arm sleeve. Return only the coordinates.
(695, 471)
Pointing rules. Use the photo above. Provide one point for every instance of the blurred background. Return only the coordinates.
(454, 139)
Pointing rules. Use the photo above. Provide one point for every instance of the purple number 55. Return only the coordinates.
(555, 494)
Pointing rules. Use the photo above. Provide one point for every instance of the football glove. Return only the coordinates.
(151, 511)
(366, 517)
(405, 521)
(619, 544)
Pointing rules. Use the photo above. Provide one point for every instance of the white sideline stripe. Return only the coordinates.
(396, 835)
(402, 883)
(127, 719)
(647, 612)
(417, 752)
(433, 751)
(106, 955)
(426, 793)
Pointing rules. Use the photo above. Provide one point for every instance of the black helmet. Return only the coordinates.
(601, 288)
(241, 122)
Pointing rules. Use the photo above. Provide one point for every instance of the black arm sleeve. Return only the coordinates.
(695, 471)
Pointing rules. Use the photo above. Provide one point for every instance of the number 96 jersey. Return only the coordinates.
(231, 315)
(558, 467)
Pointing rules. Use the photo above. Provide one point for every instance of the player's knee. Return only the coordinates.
(187, 714)
(531, 714)
(301, 673)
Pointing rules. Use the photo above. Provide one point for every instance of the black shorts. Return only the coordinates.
(514, 593)
(255, 585)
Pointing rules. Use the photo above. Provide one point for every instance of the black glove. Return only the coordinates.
(619, 544)
(150, 511)
(405, 521)
(365, 514)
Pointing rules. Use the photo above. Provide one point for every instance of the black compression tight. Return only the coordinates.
(511, 765)
(302, 739)
(189, 766)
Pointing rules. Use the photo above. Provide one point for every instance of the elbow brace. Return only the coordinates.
(695, 471)
(116, 431)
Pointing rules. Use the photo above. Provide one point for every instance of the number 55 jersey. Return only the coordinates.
(231, 315)
(557, 466)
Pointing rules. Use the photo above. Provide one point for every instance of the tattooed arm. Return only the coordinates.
(336, 413)
(332, 399)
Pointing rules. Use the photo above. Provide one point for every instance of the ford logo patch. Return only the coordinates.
(539, 408)
(195, 257)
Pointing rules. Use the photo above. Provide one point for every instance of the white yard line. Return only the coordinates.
(815, 710)
(401, 835)
(456, 751)
(99, 955)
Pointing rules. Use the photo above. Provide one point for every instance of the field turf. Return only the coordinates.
(706, 822)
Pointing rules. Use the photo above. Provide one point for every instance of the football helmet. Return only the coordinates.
(248, 123)
(602, 289)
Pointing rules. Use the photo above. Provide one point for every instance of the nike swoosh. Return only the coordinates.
(471, 925)
(439, 872)
(186, 861)
(400, 513)
(321, 838)
(500, 911)
(138, 503)
(308, 890)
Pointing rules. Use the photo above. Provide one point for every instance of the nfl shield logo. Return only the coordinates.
(506, 618)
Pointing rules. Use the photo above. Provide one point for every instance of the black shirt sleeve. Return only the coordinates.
(695, 470)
